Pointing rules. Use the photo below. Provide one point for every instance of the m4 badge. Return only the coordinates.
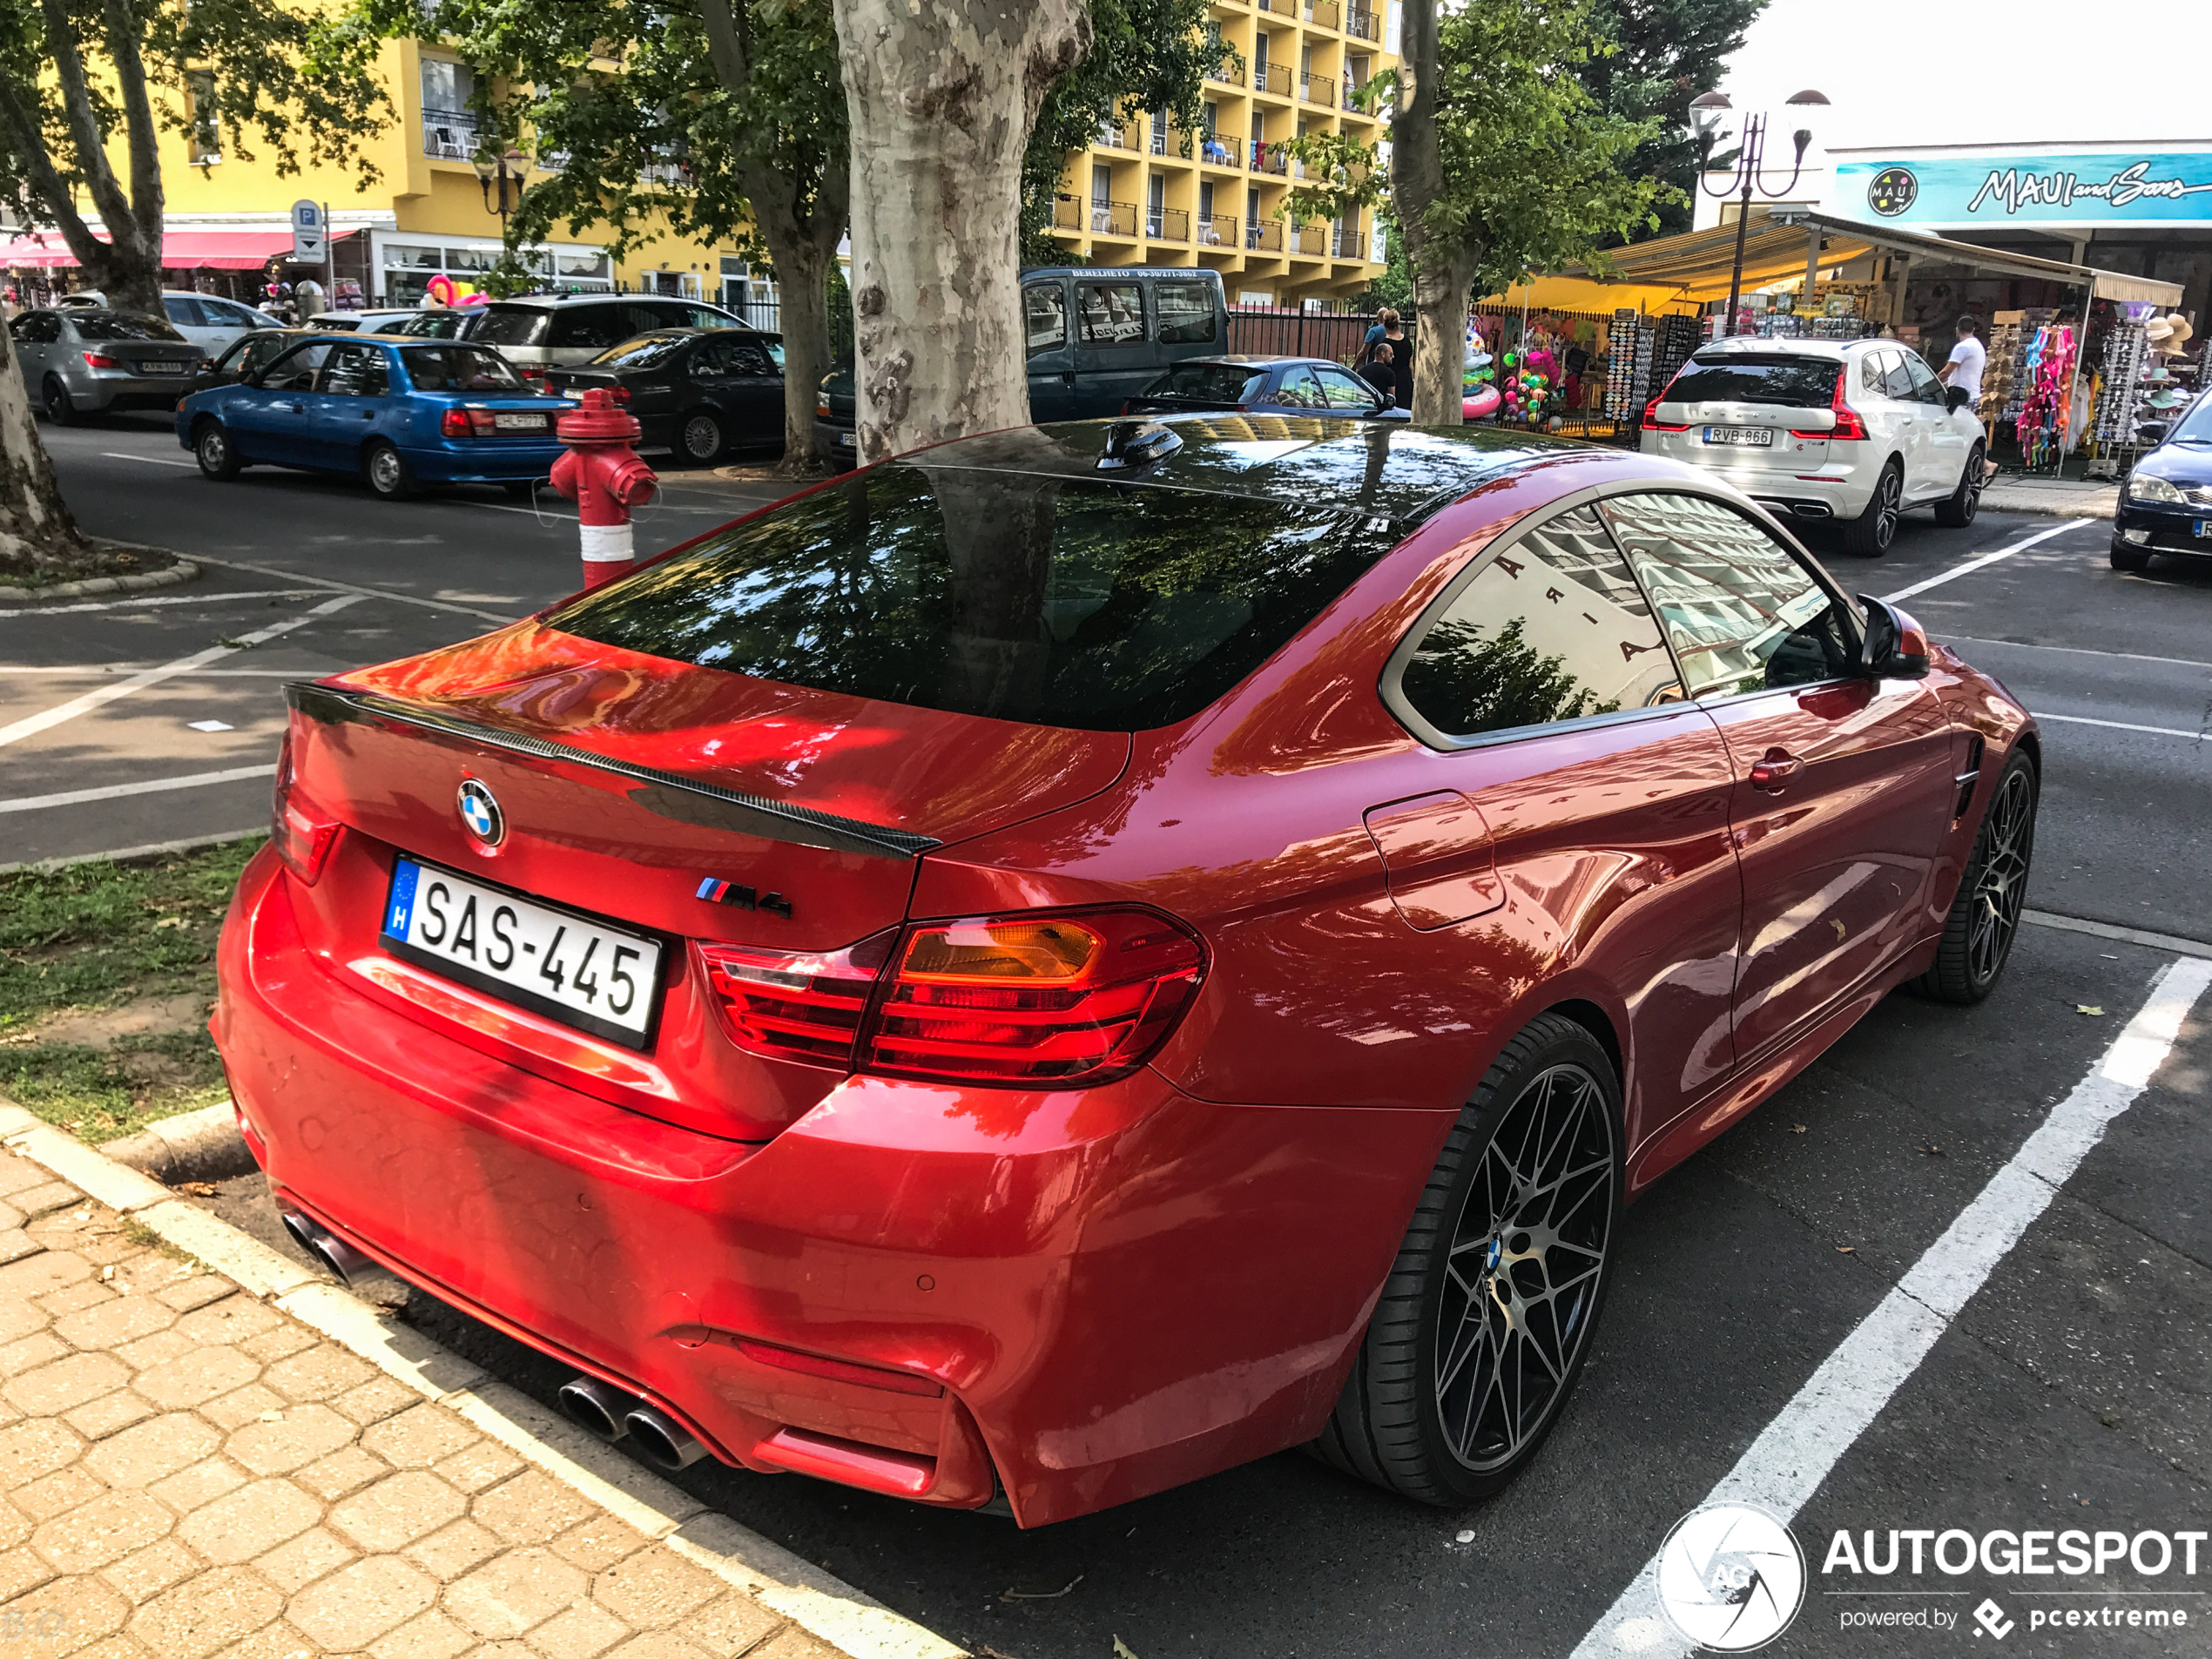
(744, 898)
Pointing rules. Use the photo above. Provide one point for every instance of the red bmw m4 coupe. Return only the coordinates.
(1060, 964)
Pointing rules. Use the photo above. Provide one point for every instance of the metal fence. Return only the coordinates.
(1274, 330)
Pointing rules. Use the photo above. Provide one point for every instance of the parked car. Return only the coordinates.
(357, 322)
(453, 323)
(1255, 385)
(84, 361)
(399, 414)
(2165, 505)
(1097, 337)
(542, 331)
(1849, 431)
(1004, 978)
(247, 355)
(205, 319)
(697, 391)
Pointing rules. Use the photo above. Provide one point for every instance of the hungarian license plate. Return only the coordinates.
(1750, 437)
(2201, 528)
(502, 421)
(570, 967)
(845, 439)
(163, 368)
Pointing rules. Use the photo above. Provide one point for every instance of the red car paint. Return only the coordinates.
(1075, 1295)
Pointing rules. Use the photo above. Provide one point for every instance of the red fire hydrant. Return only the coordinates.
(603, 476)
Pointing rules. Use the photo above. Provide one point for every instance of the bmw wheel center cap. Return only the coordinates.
(480, 813)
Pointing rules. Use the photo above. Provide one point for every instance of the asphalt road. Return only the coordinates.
(2072, 1389)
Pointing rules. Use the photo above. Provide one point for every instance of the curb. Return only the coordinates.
(177, 574)
(203, 1146)
(818, 1602)
(124, 854)
(2038, 505)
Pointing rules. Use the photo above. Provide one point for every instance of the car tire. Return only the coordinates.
(56, 404)
(2128, 557)
(1869, 535)
(1471, 1302)
(1957, 510)
(216, 454)
(1984, 915)
(387, 473)
(700, 439)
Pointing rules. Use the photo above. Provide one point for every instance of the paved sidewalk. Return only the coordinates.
(188, 1470)
(2059, 497)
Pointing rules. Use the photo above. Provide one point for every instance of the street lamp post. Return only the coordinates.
(499, 166)
(1709, 115)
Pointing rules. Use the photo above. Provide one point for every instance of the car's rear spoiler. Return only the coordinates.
(770, 820)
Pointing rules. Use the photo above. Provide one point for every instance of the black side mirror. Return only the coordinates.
(1894, 648)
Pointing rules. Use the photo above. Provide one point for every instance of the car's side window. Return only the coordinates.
(1742, 613)
(1299, 390)
(1044, 310)
(1186, 312)
(597, 327)
(357, 371)
(1112, 313)
(1873, 373)
(185, 311)
(1341, 391)
(1925, 387)
(747, 358)
(262, 353)
(1896, 379)
(1552, 627)
(701, 317)
(295, 370)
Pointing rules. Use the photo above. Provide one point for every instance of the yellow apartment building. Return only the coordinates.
(1134, 198)
(428, 214)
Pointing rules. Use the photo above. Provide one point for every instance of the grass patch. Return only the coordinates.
(100, 935)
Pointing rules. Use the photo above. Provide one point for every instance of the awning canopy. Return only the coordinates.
(180, 249)
(1695, 265)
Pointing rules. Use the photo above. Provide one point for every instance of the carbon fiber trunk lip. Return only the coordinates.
(769, 819)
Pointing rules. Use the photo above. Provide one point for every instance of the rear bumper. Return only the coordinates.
(103, 395)
(1829, 486)
(1095, 1294)
(837, 445)
(488, 463)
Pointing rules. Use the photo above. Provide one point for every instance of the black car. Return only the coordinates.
(249, 354)
(2165, 505)
(1252, 385)
(697, 391)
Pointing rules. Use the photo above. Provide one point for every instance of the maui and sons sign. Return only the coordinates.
(2029, 189)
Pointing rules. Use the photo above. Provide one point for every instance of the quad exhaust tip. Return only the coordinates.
(662, 1439)
(607, 1413)
(344, 1263)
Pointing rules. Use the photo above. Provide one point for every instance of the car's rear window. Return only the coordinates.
(121, 324)
(1019, 595)
(645, 351)
(460, 368)
(1791, 382)
(513, 326)
(1208, 382)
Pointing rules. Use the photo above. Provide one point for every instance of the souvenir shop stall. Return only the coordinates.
(1547, 369)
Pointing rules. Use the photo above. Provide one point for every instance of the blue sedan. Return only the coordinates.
(400, 413)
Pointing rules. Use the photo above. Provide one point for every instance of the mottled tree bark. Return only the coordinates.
(942, 94)
(1443, 268)
(37, 530)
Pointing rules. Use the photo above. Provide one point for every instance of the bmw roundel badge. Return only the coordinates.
(480, 813)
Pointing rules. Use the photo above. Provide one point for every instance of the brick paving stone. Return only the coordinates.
(297, 1437)
(52, 1390)
(514, 1592)
(250, 1521)
(18, 1318)
(206, 1613)
(77, 1612)
(229, 1322)
(307, 1557)
(598, 1543)
(44, 1199)
(148, 1452)
(251, 1403)
(203, 1483)
(355, 1606)
(581, 1632)
(193, 1377)
(272, 1346)
(794, 1643)
(374, 1401)
(734, 1624)
(660, 1644)
(110, 1413)
(157, 1349)
(103, 1530)
(34, 1447)
(654, 1587)
(112, 1324)
(319, 1373)
(20, 1569)
(451, 1551)
(396, 1511)
(531, 1508)
(482, 1465)
(145, 1576)
(16, 1244)
(71, 1299)
(15, 1526)
(428, 1636)
(194, 1290)
(17, 1173)
(419, 1437)
(345, 1470)
(40, 1348)
(55, 1493)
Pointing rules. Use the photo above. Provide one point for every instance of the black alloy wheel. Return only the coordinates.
(211, 449)
(59, 407)
(1957, 510)
(1985, 917)
(1487, 1318)
(1869, 535)
(700, 438)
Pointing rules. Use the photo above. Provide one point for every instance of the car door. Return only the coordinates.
(1580, 805)
(1944, 438)
(1052, 361)
(1114, 360)
(350, 403)
(35, 334)
(1902, 412)
(1345, 393)
(750, 390)
(1843, 783)
(268, 419)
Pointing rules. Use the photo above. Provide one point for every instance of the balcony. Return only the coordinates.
(674, 174)
(1159, 144)
(1094, 217)
(1351, 244)
(1213, 150)
(1362, 24)
(1118, 137)
(1167, 225)
(1227, 73)
(1317, 89)
(1322, 14)
(1263, 236)
(449, 135)
(1217, 230)
(1269, 158)
(1310, 241)
(1272, 78)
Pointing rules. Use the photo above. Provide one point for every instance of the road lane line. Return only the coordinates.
(190, 844)
(31, 725)
(98, 668)
(164, 599)
(2123, 725)
(328, 585)
(149, 786)
(2172, 943)
(2074, 650)
(1976, 563)
(151, 461)
(1795, 1453)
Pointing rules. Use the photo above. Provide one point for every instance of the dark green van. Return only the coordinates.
(1098, 335)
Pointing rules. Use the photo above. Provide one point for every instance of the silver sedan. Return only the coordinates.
(83, 361)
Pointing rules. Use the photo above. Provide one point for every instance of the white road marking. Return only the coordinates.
(2172, 942)
(2076, 651)
(151, 461)
(190, 843)
(164, 599)
(2123, 725)
(96, 669)
(547, 519)
(1976, 563)
(149, 786)
(1786, 1465)
(31, 725)
(327, 584)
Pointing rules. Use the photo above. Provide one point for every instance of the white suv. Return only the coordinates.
(1852, 431)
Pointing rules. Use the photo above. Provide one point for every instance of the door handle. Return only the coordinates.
(1774, 770)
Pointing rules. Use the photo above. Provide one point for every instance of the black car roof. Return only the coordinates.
(1258, 360)
(1326, 463)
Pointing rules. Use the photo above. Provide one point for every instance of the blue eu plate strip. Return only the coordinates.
(403, 880)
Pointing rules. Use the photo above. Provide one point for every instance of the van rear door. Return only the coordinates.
(1052, 360)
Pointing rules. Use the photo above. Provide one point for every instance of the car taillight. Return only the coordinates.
(301, 832)
(467, 423)
(1049, 1001)
(821, 408)
(1651, 420)
(622, 394)
(1053, 1000)
(101, 360)
(1848, 425)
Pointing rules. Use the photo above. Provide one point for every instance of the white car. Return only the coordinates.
(201, 318)
(362, 322)
(1852, 431)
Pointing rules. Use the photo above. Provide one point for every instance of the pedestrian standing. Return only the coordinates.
(1385, 319)
(1961, 374)
(1402, 359)
(1378, 373)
